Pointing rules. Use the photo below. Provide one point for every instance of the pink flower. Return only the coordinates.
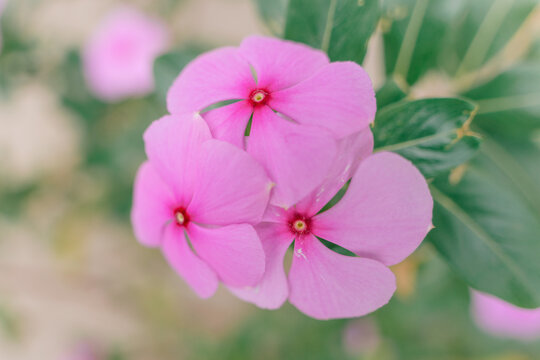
(382, 218)
(299, 104)
(84, 351)
(119, 57)
(361, 338)
(503, 319)
(202, 193)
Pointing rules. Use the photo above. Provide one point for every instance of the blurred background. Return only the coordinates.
(74, 282)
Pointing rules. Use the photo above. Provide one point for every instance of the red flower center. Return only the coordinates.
(259, 97)
(181, 217)
(300, 224)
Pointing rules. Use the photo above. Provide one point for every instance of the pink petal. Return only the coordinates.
(231, 187)
(351, 151)
(215, 76)
(272, 290)
(504, 319)
(385, 214)
(280, 63)
(276, 214)
(228, 123)
(339, 97)
(297, 157)
(172, 144)
(190, 267)
(234, 252)
(327, 285)
(153, 206)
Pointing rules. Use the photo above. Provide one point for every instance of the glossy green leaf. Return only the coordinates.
(488, 232)
(455, 36)
(168, 66)
(509, 104)
(273, 14)
(342, 28)
(534, 51)
(389, 93)
(432, 133)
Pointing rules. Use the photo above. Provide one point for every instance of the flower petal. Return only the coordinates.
(272, 291)
(385, 214)
(234, 252)
(504, 319)
(231, 186)
(276, 214)
(172, 144)
(327, 285)
(338, 97)
(153, 204)
(228, 123)
(190, 267)
(351, 151)
(280, 63)
(297, 157)
(215, 76)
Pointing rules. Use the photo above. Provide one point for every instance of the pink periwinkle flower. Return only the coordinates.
(298, 102)
(503, 319)
(382, 218)
(119, 57)
(195, 191)
(361, 338)
(84, 351)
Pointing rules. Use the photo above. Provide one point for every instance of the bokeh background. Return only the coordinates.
(74, 282)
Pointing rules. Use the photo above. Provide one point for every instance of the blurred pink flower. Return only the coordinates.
(383, 217)
(83, 351)
(503, 319)
(361, 337)
(298, 101)
(203, 193)
(118, 59)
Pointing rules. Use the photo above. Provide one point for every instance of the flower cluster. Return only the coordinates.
(260, 138)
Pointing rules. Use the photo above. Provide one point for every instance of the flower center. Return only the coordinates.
(180, 217)
(258, 97)
(300, 224)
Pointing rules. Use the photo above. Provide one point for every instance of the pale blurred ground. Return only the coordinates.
(68, 275)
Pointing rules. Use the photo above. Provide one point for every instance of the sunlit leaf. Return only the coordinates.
(452, 36)
(432, 133)
(342, 28)
(489, 232)
(509, 104)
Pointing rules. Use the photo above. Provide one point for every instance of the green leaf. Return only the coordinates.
(457, 36)
(9, 323)
(168, 66)
(273, 14)
(75, 93)
(509, 104)
(534, 52)
(488, 233)
(342, 28)
(389, 93)
(432, 133)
